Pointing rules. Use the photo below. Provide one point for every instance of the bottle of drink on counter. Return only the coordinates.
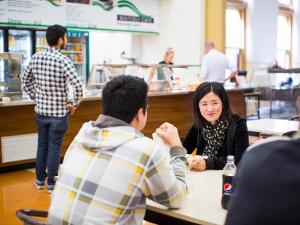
(228, 174)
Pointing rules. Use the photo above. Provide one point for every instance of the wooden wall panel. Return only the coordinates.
(176, 109)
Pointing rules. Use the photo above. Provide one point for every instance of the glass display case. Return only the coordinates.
(1, 61)
(1, 40)
(10, 71)
(20, 41)
(172, 77)
(40, 40)
(78, 52)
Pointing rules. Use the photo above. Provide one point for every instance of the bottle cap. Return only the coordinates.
(230, 158)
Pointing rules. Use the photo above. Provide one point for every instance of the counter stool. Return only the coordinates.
(256, 96)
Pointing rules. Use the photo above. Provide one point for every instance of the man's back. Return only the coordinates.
(214, 65)
(45, 79)
(268, 185)
(107, 174)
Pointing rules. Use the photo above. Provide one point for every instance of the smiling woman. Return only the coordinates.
(216, 132)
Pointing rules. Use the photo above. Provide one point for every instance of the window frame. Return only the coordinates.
(287, 11)
(241, 7)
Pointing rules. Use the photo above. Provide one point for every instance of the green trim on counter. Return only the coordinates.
(108, 29)
(80, 28)
(25, 24)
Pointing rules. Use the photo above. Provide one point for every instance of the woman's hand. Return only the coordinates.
(197, 163)
(169, 134)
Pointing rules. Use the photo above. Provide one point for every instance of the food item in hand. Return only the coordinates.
(194, 153)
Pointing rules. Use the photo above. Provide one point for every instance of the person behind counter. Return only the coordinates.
(45, 81)
(216, 132)
(214, 65)
(168, 60)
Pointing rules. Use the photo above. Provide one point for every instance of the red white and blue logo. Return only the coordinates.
(227, 188)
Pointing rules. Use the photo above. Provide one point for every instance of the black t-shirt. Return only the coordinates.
(160, 72)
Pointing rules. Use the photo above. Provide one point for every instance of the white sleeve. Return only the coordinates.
(204, 68)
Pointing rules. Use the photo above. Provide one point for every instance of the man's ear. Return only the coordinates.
(60, 41)
(136, 118)
(140, 114)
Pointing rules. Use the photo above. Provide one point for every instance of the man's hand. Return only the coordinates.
(232, 76)
(71, 108)
(197, 163)
(169, 134)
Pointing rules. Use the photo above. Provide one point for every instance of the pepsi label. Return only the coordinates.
(227, 185)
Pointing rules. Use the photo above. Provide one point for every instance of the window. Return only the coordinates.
(284, 40)
(235, 33)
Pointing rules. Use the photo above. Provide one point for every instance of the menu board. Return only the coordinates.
(120, 15)
(37, 12)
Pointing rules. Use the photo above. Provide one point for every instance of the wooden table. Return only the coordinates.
(272, 126)
(202, 205)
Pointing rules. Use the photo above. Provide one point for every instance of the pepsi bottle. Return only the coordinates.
(228, 174)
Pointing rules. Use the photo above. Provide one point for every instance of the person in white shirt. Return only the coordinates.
(214, 65)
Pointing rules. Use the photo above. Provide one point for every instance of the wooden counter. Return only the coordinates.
(18, 118)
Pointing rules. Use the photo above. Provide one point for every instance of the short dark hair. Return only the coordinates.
(54, 33)
(201, 91)
(123, 96)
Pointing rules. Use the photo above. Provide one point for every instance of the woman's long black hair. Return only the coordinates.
(201, 91)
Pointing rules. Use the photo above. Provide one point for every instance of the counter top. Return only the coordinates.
(96, 97)
(21, 102)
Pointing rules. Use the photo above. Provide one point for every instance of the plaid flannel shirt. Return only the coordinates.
(108, 173)
(45, 80)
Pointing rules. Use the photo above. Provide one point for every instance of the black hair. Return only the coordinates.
(201, 91)
(54, 33)
(123, 96)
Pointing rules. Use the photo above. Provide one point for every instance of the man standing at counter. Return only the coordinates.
(45, 80)
(214, 65)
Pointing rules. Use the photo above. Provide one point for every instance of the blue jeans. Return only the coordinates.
(51, 132)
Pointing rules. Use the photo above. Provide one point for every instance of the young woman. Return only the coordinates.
(216, 132)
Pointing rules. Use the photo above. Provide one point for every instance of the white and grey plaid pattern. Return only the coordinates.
(98, 185)
(45, 80)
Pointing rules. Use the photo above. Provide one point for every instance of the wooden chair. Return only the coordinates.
(27, 216)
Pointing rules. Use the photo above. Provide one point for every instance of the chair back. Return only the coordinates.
(26, 216)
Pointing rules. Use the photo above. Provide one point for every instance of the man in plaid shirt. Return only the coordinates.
(45, 80)
(111, 167)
